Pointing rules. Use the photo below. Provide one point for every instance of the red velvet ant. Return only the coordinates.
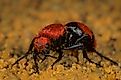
(58, 37)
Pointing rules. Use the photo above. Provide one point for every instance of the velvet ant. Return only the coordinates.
(58, 37)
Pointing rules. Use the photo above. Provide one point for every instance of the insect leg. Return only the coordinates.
(21, 58)
(78, 46)
(50, 56)
(106, 57)
(86, 56)
(76, 54)
(81, 38)
(45, 52)
(59, 58)
(26, 54)
(35, 61)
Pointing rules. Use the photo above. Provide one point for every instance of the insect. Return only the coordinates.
(58, 37)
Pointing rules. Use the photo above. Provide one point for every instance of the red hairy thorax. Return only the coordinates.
(86, 30)
(52, 31)
(40, 42)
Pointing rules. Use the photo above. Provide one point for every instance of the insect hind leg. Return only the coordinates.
(105, 57)
(86, 56)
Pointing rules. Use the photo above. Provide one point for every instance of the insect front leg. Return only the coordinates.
(46, 54)
(35, 54)
(59, 57)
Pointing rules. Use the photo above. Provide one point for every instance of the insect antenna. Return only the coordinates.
(26, 54)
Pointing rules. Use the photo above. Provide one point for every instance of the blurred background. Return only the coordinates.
(20, 21)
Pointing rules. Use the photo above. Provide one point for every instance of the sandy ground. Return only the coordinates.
(20, 21)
